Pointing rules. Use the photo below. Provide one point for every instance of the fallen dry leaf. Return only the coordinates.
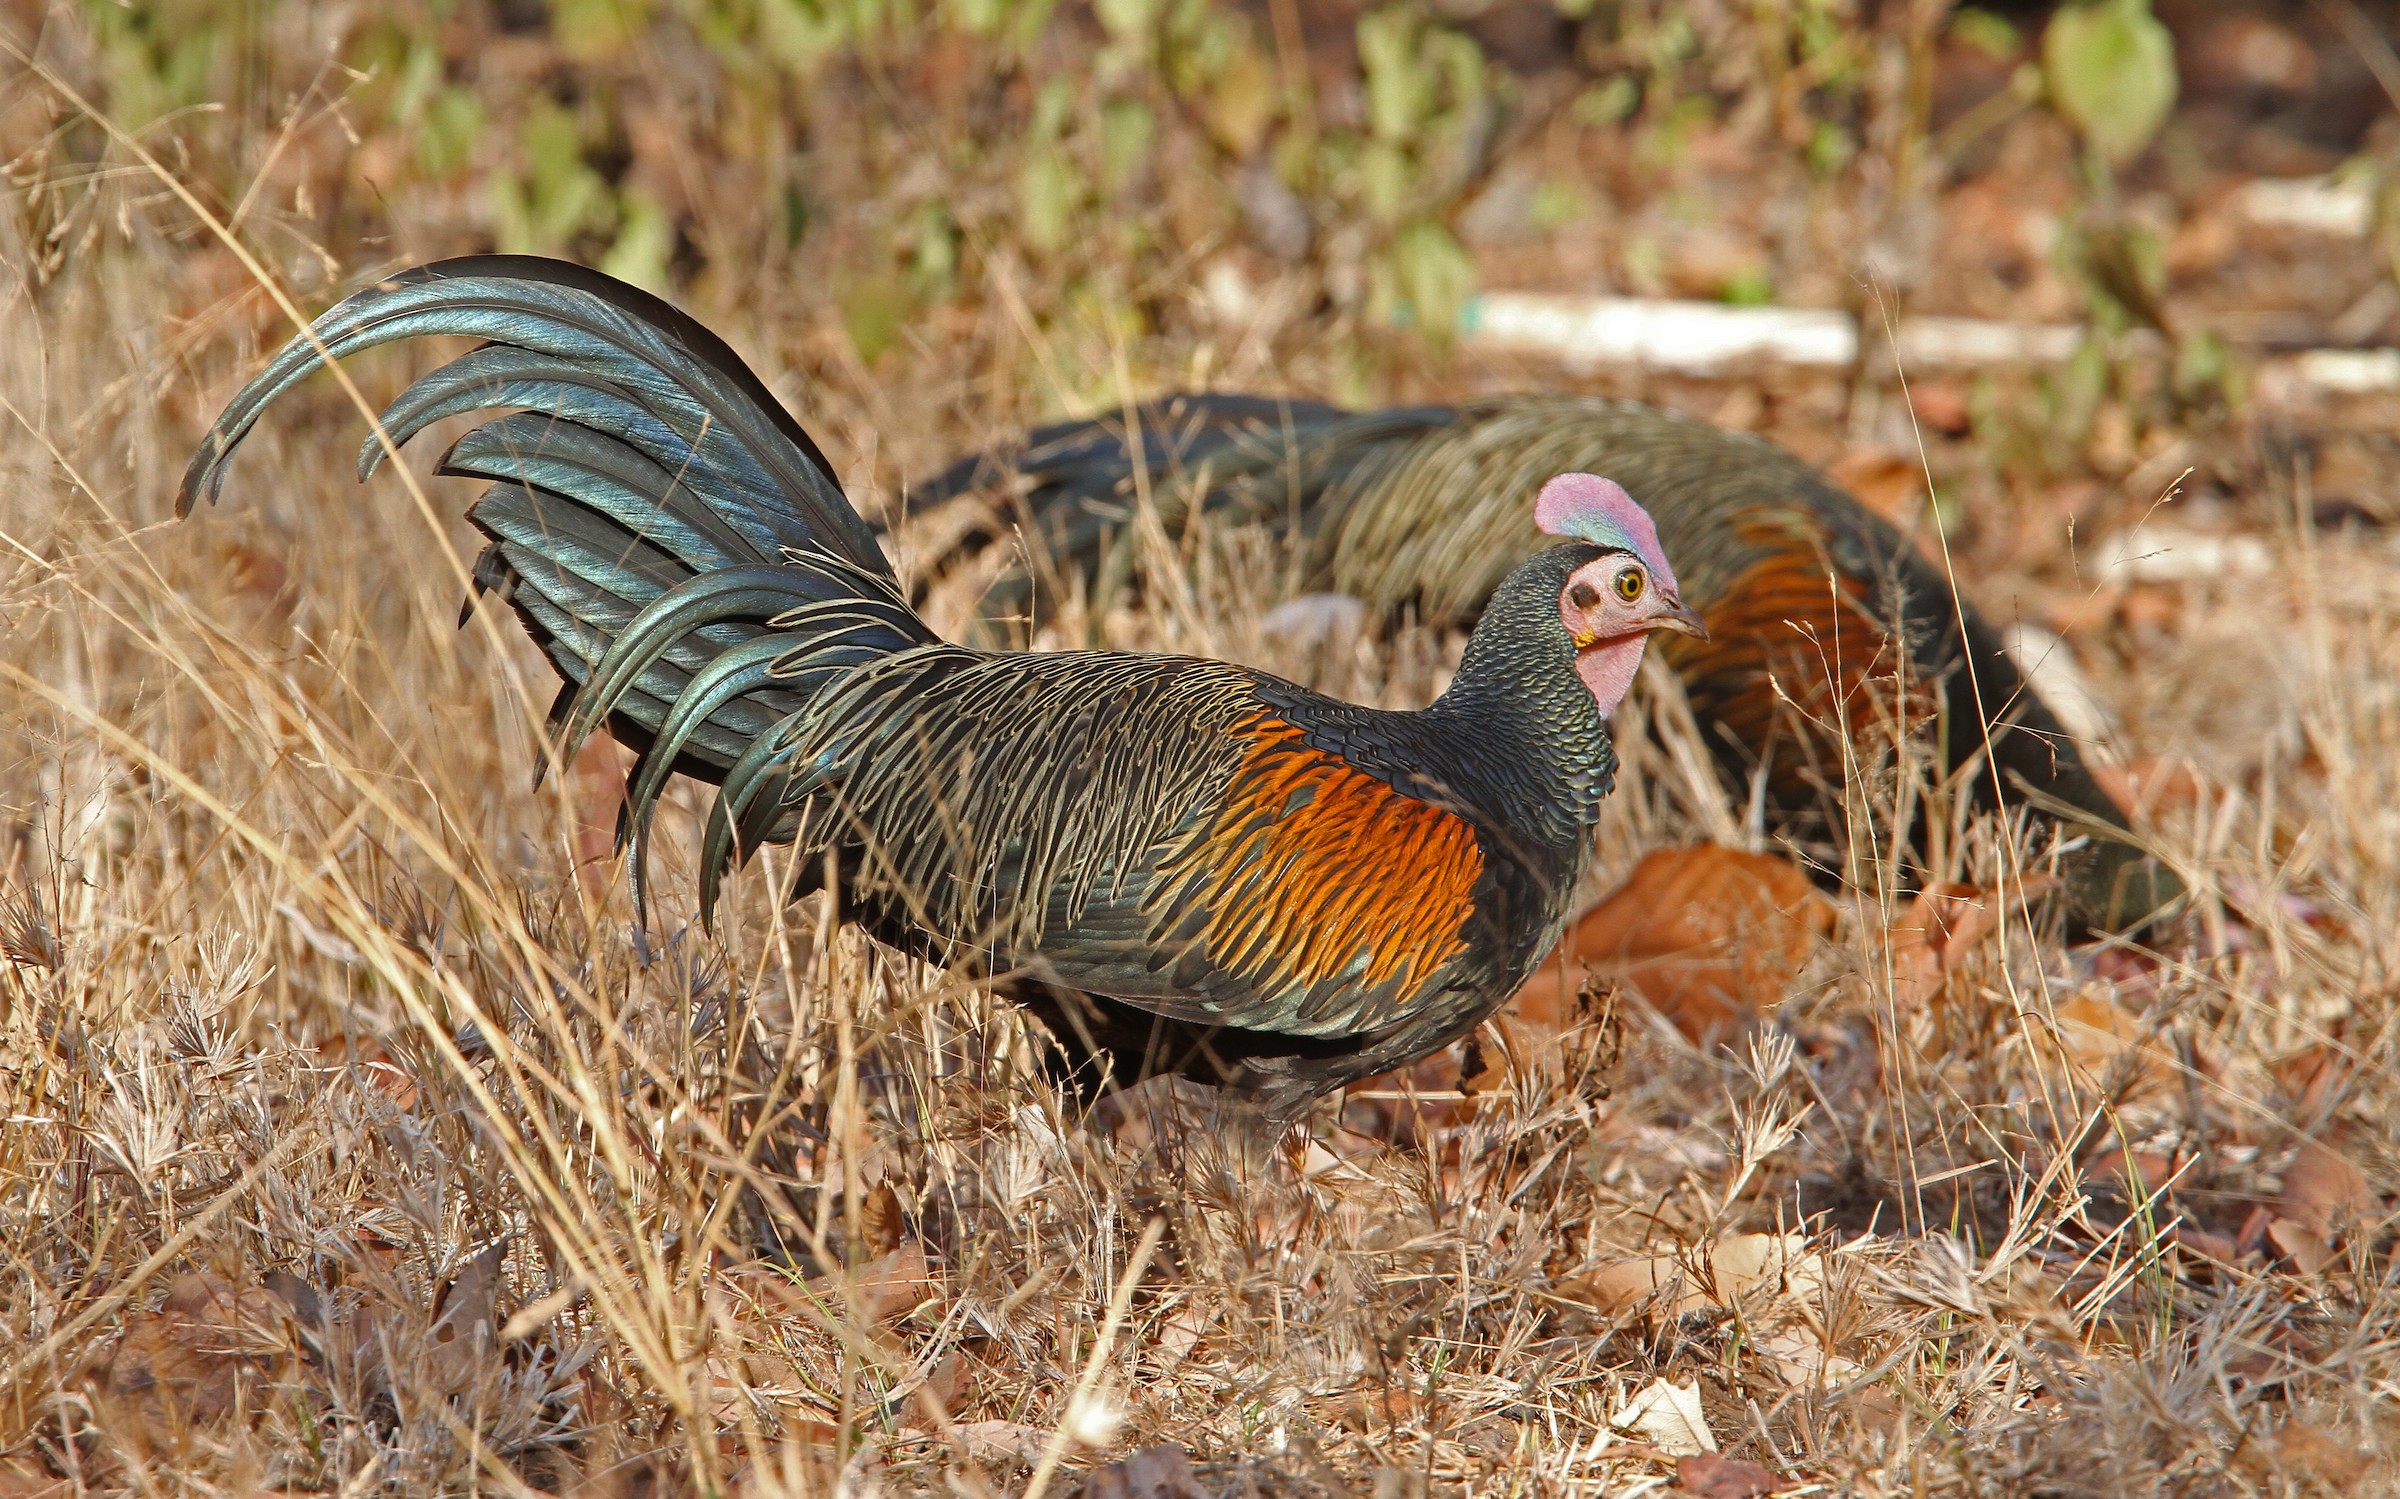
(1711, 936)
(23, 1477)
(262, 579)
(596, 786)
(196, 1361)
(2151, 1170)
(1708, 1476)
(740, 1383)
(1886, 480)
(1668, 1417)
(1797, 1355)
(466, 1321)
(2220, 1248)
(2243, 51)
(885, 1288)
(1942, 925)
(1942, 406)
(1672, 1285)
(1005, 1441)
(1179, 1334)
(2302, 1247)
(1379, 1409)
(2147, 785)
(375, 1066)
(1160, 1472)
(2308, 1459)
(2112, 1051)
(882, 1221)
(2324, 1189)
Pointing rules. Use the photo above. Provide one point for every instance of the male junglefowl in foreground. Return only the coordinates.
(1184, 865)
(1414, 508)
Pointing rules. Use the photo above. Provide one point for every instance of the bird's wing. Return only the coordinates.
(1312, 898)
(1136, 826)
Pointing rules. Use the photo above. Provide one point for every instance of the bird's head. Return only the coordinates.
(1611, 603)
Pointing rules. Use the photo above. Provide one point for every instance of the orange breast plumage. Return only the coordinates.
(1314, 874)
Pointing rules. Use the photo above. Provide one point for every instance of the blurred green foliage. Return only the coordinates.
(1993, 34)
(1098, 144)
(2110, 67)
(163, 56)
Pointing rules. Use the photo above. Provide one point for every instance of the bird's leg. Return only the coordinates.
(1259, 1146)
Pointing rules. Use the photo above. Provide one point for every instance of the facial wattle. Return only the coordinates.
(1608, 669)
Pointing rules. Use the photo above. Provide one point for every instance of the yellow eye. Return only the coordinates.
(1630, 583)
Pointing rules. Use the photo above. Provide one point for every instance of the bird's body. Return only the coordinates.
(1211, 846)
(1183, 864)
(1826, 628)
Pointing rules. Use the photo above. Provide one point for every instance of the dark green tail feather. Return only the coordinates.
(663, 528)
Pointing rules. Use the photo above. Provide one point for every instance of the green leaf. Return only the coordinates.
(1127, 131)
(1747, 288)
(1986, 32)
(1383, 180)
(596, 30)
(1435, 275)
(1049, 191)
(1050, 109)
(1556, 204)
(1126, 19)
(933, 254)
(645, 241)
(1399, 94)
(1606, 103)
(800, 34)
(1829, 148)
(2204, 368)
(1455, 59)
(1027, 18)
(2073, 392)
(558, 196)
(2111, 71)
(1196, 44)
(975, 17)
(420, 73)
(874, 309)
(454, 120)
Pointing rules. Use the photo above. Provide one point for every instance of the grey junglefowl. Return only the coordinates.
(1414, 509)
(1183, 865)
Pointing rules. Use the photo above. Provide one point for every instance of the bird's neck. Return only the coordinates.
(1608, 670)
(1521, 718)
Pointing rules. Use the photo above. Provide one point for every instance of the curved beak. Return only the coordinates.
(1682, 618)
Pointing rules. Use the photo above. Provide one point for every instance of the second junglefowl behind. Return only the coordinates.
(1184, 865)
(1831, 638)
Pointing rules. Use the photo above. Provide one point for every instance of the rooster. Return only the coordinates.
(1823, 621)
(1183, 865)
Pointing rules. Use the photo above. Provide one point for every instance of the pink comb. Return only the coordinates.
(1586, 507)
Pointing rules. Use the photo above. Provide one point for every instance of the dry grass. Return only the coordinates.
(353, 1145)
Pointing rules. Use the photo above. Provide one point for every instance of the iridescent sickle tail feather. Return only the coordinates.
(663, 528)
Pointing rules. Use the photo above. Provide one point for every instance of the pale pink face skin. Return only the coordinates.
(1612, 603)
(1609, 606)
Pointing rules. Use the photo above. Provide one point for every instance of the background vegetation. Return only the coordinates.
(352, 1144)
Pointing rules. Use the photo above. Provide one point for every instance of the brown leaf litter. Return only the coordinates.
(1710, 936)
